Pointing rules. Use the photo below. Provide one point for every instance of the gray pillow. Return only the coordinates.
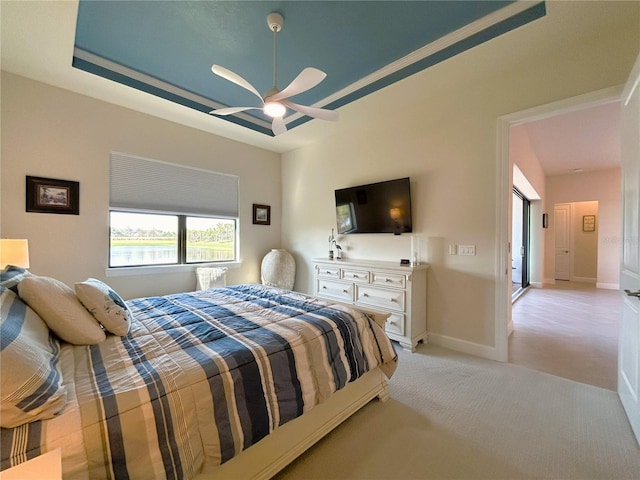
(58, 306)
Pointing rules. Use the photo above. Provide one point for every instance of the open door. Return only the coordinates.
(629, 342)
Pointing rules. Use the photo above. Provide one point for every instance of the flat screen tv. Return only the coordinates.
(383, 207)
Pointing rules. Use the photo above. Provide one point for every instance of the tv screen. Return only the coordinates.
(383, 207)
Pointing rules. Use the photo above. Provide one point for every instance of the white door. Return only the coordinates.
(562, 229)
(629, 342)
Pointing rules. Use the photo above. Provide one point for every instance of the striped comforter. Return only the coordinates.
(200, 377)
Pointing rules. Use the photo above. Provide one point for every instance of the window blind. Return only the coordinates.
(145, 184)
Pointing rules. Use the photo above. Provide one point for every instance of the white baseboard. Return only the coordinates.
(583, 279)
(476, 349)
(536, 284)
(549, 281)
(608, 286)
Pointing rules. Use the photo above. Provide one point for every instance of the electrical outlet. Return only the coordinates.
(453, 249)
(466, 250)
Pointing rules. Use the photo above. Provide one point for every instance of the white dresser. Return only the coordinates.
(398, 289)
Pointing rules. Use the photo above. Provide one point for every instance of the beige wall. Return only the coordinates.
(603, 187)
(439, 128)
(585, 244)
(50, 132)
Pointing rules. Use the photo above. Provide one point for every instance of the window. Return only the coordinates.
(166, 214)
(139, 239)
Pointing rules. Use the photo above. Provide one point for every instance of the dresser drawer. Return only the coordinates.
(328, 271)
(395, 323)
(337, 290)
(388, 279)
(356, 276)
(380, 297)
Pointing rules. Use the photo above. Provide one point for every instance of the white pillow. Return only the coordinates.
(61, 310)
(105, 305)
(31, 385)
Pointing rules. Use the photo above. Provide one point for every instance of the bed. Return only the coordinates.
(231, 382)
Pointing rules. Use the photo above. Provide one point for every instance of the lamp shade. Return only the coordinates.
(14, 252)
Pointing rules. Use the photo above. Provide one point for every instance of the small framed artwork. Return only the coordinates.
(588, 223)
(51, 195)
(261, 214)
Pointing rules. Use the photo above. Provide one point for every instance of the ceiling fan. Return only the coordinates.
(274, 102)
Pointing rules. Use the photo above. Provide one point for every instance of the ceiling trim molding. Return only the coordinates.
(93, 63)
(486, 28)
(493, 27)
(423, 53)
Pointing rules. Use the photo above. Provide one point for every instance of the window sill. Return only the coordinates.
(164, 269)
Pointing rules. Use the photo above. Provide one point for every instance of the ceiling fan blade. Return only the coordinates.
(321, 113)
(306, 79)
(235, 78)
(278, 126)
(232, 110)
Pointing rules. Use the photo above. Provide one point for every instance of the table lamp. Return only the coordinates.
(14, 252)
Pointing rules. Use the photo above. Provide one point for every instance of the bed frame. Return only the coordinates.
(266, 458)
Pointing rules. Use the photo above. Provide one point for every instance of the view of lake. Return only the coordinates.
(129, 255)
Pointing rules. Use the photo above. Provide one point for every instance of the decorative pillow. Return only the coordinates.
(11, 276)
(106, 305)
(30, 382)
(61, 310)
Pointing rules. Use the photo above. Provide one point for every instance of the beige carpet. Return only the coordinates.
(453, 416)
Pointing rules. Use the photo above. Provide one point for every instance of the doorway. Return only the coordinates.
(562, 244)
(503, 293)
(521, 215)
(576, 241)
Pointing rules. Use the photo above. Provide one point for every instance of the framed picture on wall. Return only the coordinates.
(51, 195)
(588, 223)
(261, 214)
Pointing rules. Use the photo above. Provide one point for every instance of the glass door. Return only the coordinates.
(520, 243)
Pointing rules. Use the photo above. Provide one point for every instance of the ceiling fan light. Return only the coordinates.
(274, 109)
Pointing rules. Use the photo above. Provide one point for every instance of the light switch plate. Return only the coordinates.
(466, 249)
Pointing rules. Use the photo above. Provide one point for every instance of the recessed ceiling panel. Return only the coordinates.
(167, 48)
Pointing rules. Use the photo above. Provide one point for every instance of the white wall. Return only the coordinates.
(50, 132)
(439, 128)
(602, 186)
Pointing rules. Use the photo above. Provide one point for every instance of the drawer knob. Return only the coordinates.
(365, 294)
(345, 290)
(393, 300)
(387, 279)
(324, 287)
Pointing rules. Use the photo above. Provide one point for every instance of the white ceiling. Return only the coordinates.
(587, 139)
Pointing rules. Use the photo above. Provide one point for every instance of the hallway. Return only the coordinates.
(570, 330)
